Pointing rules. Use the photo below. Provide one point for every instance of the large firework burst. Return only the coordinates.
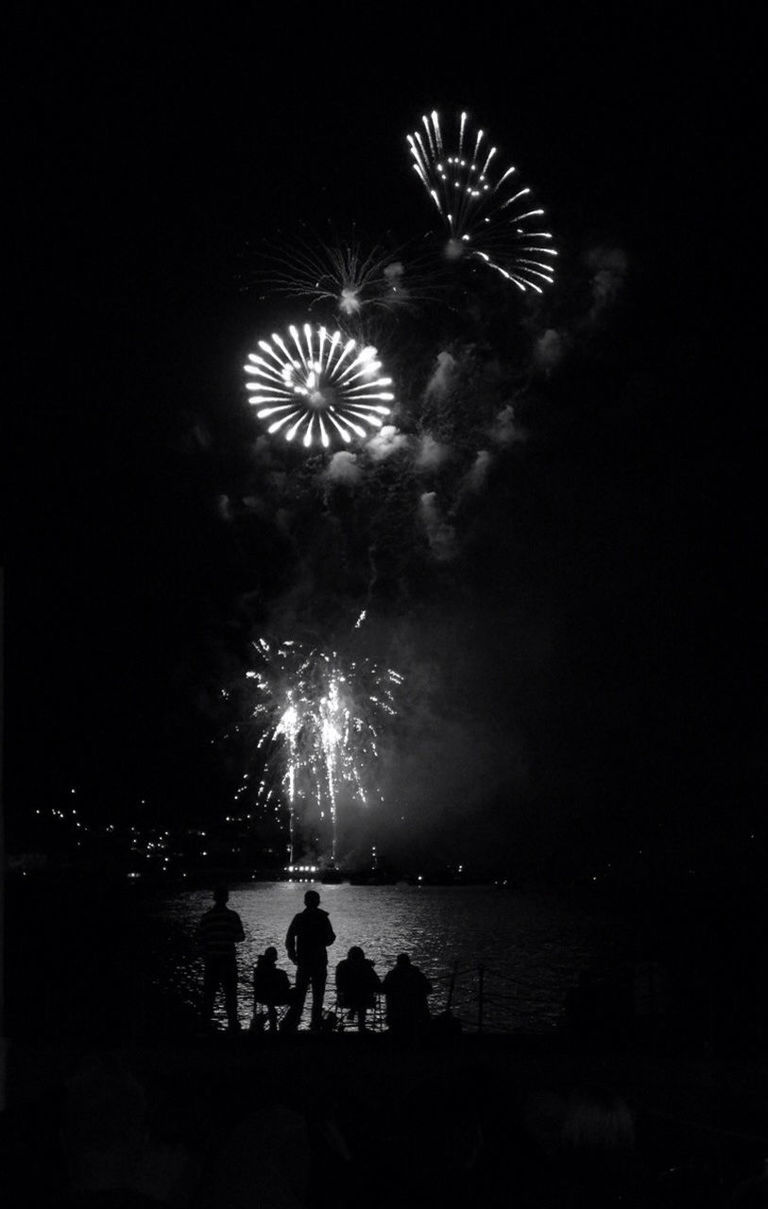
(319, 388)
(488, 216)
(318, 719)
(350, 280)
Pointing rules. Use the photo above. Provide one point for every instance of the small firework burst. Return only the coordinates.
(318, 386)
(488, 215)
(349, 279)
(318, 719)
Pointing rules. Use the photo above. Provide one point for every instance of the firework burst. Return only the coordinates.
(318, 386)
(488, 215)
(350, 280)
(319, 718)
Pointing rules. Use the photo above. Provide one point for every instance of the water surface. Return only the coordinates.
(531, 946)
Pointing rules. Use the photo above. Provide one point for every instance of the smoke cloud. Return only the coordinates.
(609, 270)
(548, 351)
(394, 274)
(431, 454)
(343, 468)
(441, 535)
(479, 472)
(388, 440)
(506, 430)
(442, 375)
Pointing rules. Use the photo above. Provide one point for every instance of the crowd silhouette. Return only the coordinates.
(279, 1006)
(401, 1135)
(325, 1127)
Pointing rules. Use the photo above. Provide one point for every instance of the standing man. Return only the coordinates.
(220, 930)
(307, 943)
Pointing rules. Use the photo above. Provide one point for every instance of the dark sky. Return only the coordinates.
(151, 156)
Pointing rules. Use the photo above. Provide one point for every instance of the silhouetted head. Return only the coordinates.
(356, 953)
(311, 899)
(403, 960)
(220, 895)
(267, 1159)
(104, 1131)
(598, 1122)
(270, 954)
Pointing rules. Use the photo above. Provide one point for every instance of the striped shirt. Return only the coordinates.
(220, 929)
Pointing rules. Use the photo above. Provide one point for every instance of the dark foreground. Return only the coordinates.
(346, 1120)
(110, 1083)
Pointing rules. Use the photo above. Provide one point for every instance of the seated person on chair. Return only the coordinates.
(406, 990)
(271, 986)
(357, 985)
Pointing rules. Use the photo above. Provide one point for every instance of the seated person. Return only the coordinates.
(406, 990)
(357, 985)
(271, 986)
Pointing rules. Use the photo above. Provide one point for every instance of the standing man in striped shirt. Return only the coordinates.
(220, 930)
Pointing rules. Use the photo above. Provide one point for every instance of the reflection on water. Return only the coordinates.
(532, 946)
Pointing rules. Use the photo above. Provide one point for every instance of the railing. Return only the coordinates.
(480, 999)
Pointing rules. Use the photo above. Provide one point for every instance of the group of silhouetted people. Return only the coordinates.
(309, 936)
(452, 1134)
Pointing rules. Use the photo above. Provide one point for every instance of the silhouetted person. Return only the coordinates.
(104, 1132)
(220, 930)
(357, 985)
(271, 986)
(110, 1156)
(266, 1162)
(597, 1143)
(406, 990)
(307, 942)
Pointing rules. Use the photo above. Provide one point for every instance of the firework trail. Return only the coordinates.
(317, 385)
(350, 280)
(319, 718)
(488, 216)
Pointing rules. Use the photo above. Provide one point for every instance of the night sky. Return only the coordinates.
(585, 663)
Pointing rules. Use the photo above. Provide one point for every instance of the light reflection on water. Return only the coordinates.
(531, 945)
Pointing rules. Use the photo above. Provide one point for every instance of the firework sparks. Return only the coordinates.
(319, 719)
(318, 386)
(351, 280)
(488, 215)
